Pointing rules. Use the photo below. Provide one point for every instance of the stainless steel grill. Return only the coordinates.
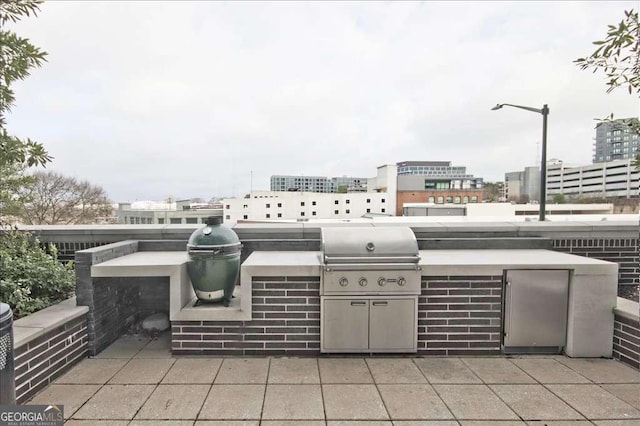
(369, 289)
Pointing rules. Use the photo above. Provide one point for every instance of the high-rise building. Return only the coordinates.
(612, 179)
(318, 184)
(522, 186)
(615, 140)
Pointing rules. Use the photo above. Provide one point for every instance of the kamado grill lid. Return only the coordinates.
(213, 236)
(368, 243)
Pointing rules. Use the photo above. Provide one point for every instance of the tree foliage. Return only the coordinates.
(618, 55)
(17, 57)
(55, 199)
(30, 277)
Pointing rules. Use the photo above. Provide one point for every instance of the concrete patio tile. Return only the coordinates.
(161, 423)
(413, 401)
(172, 402)
(193, 370)
(548, 370)
(233, 402)
(594, 402)
(92, 371)
(425, 423)
(357, 423)
(474, 402)
(293, 402)
(353, 402)
(115, 402)
(292, 423)
(125, 347)
(71, 396)
(497, 370)
(227, 423)
(97, 422)
(158, 347)
(243, 371)
(560, 423)
(142, 371)
(534, 402)
(616, 422)
(446, 370)
(395, 370)
(344, 370)
(294, 371)
(628, 392)
(492, 422)
(602, 370)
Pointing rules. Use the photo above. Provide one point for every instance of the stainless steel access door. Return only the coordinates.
(536, 308)
(345, 325)
(393, 325)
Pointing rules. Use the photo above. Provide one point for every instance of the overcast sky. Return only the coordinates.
(159, 99)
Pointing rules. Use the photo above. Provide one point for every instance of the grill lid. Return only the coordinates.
(369, 244)
(214, 236)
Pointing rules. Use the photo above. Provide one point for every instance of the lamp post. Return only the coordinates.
(543, 163)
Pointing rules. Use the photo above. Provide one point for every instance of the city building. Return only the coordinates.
(436, 182)
(166, 212)
(318, 184)
(301, 206)
(615, 140)
(612, 179)
(522, 186)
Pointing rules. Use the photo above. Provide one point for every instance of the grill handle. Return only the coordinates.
(372, 267)
(371, 259)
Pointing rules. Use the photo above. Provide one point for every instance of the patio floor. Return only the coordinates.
(136, 381)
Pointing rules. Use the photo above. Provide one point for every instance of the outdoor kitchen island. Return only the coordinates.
(461, 305)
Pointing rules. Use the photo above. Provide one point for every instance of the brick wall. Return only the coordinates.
(43, 359)
(285, 321)
(623, 251)
(626, 340)
(423, 196)
(460, 315)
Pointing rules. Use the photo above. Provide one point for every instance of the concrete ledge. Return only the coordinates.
(627, 308)
(35, 325)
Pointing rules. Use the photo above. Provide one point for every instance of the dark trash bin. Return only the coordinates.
(214, 261)
(7, 366)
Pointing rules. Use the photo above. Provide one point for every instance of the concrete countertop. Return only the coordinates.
(450, 262)
(142, 263)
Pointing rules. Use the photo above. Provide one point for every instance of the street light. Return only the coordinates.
(543, 166)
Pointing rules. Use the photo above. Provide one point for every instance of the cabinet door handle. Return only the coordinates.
(359, 303)
(380, 303)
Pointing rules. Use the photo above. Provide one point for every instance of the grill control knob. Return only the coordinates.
(362, 282)
(382, 281)
(401, 281)
(343, 282)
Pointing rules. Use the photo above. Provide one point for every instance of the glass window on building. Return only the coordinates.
(279, 204)
(301, 213)
(227, 207)
(368, 210)
(313, 203)
(335, 212)
(161, 221)
(474, 199)
(382, 201)
(368, 200)
(268, 216)
(301, 203)
(347, 211)
(228, 217)
(347, 201)
(449, 200)
(456, 200)
(465, 200)
(313, 213)
(268, 205)
(191, 220)
(440, 200)
(137, 220)
(431, 200)
(382, 210)
(335, 202)
(279, 214)
(245, 216)
(175, 220)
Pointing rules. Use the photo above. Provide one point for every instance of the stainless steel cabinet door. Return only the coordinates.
(345, 325)
(536, 308)
(393, 325)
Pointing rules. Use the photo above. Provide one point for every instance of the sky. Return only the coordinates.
(161, 99)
